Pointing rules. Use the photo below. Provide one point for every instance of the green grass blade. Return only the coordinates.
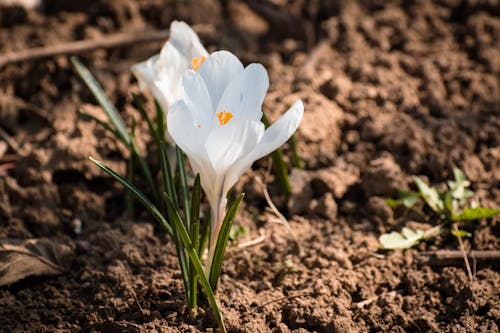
(297, 161)
(205, 233)
(134, 148)
(279, 166)
(184, 186)
(139, 195)
(101, 123)
(281, 171)
(160, 120)
(130, 177)
(470, 214)
(220, 248)
(168, 178)
(184, 236)
(138, 105)
(194, 234)
(184, 265)
(102, 99)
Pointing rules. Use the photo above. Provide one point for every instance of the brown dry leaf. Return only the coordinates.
(20, 259)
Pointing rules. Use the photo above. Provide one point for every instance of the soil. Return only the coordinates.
(391, 89)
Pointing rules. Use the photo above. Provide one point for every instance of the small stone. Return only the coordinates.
(334, 179)
(383, 177)
(327, 207)
(302, 194)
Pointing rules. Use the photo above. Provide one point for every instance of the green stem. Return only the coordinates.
(176, 220)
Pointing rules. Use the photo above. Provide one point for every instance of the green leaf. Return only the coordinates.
(297, 161)
(134, 148)
(458, 188)
(460, 233)
(184, 186)
(404, 240)
(188, 245)
(100, 122)
(406, 198)
(166, 170)
(430, 195)
(469, 214)
(220, 248)
(205, 232)
(138, 105)
(102, 99)
(160, 120)
(194, 233)
(139, 195)
(279, 166)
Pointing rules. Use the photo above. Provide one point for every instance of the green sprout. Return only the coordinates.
(451, 206)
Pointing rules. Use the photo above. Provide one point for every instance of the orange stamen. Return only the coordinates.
(196, 62)
(224, 117)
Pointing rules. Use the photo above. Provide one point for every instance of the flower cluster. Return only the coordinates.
(214, 111)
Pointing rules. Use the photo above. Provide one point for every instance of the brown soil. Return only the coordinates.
(391, 89)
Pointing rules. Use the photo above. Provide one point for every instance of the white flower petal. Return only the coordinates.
(188, 138)
(180, 127)
(217, 71)
(228, 143)
(144, 72)
(197, 99)
(275, 136)
(185, 40)
(245, 94)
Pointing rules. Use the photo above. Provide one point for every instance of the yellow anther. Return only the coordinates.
(196, 62)
(224, 117)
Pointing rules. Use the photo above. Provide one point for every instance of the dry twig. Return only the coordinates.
(448, 257)
(107, 42)
(464, 253)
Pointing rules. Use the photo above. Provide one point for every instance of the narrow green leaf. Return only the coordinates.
(220, 248)
(194, 233)
(102, 99)
(188, 245)
(404, 240)
(184, 186)
(279, 166)
(281, 172)
(160, 121)
(184, 263)
(406, 198)
(140, 196)
(168, 178)
(469, 214)
(460, 233)
(430, 195)
(134, 148)
(130, 178)
(138, 105)
(101, 123)
(205, 233)
(297, 161)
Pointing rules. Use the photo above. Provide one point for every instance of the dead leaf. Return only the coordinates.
(22, 258)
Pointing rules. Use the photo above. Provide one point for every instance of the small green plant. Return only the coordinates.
(451, 206)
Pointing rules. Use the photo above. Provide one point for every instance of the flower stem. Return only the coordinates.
(217, 212)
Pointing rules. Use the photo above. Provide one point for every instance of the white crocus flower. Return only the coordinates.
(217, 124)
(162, 73)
